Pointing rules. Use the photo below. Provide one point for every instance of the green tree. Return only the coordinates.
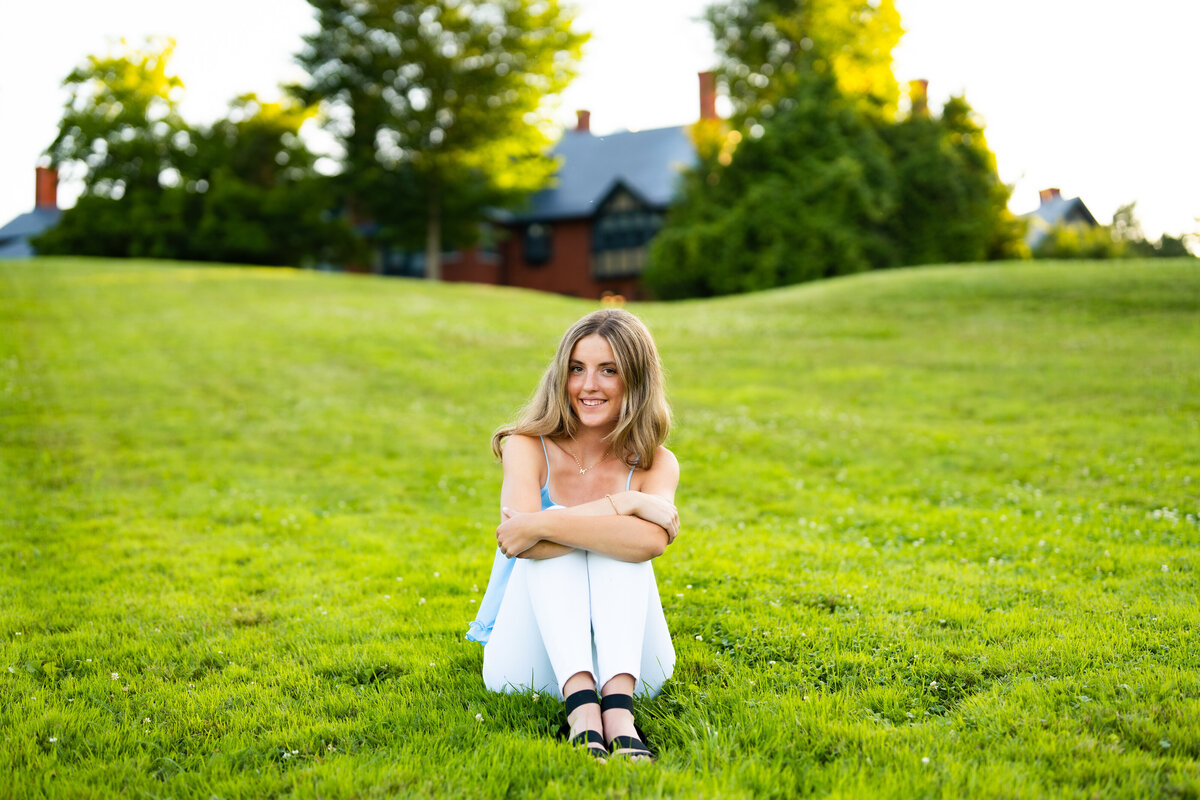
(807, 200)
(121, 120)
(766, 47)
(243, 189)
(951, 204)
(440, 106)
(260, 199)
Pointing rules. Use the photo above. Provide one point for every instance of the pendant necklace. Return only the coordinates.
(582, 469)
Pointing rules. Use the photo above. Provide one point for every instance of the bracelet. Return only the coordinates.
(614, 504)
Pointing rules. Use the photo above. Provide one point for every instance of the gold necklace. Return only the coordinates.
(582, 469)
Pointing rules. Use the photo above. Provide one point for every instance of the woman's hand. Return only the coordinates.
(653, 508)
(517, 533)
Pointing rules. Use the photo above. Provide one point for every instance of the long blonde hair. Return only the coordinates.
(645, 417)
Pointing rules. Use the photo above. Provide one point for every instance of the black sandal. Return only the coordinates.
(585, 738)
(636, 745)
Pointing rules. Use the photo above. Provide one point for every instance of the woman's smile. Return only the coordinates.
(594, 382)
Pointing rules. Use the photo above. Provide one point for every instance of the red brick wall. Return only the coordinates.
(472, 266)
(569, 269)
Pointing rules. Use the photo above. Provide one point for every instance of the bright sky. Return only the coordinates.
(1099, 103)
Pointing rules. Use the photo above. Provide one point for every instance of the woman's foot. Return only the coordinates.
(584, 722)
(619, 730)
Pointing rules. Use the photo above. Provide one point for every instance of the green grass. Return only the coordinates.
(946, 514)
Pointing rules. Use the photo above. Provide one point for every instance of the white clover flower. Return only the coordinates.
(933, 684)
(437, 574)
(699, 638)
(116, 675)
(146, 720)
(421, 602)
(1165, 568)
(772, 663)
(479, 717)
(53, 739)
(535, 695)
(925, 759)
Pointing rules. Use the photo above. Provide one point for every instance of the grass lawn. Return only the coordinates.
(941, 536)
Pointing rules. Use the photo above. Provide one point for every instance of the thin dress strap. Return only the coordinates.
(547, 455)
(629, 479)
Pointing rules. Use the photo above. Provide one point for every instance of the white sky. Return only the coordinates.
(1103, 104)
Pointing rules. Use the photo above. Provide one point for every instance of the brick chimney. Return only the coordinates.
(1049, 195)
(708, 95)
(918, 95)
(45, 193)
(583, 121)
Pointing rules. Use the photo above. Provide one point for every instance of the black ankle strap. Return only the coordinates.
(613, 701)
(580, 698)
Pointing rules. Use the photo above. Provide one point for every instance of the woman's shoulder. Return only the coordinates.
(522, 445)
(664, 460)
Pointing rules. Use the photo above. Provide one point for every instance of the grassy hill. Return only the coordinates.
(940, 537)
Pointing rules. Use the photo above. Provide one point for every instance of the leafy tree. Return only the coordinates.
(807, 200)
(439, 106)
(261, 200)
(951, 204)
(121, 120)
(243, 189)
(1127, 232)
(767, 47)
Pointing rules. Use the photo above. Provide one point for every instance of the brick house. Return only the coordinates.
(588, 235)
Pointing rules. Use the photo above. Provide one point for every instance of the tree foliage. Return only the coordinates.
(121, 120)
(242, 189)
(951, 205)
(1124, 238)
(440, 106)
(819, 176)
(767, 47)
(808, 199)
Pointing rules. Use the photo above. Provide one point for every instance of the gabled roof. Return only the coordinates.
(648, 163)
(1058, 211)
(14, 237)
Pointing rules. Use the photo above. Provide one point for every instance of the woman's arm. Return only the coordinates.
(627, 538)
(521, 491)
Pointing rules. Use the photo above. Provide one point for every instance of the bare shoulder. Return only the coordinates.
(662, 478)
(666, 461)
(523, 453)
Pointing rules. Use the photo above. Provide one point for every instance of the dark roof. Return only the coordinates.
(14, 237)
(1059, 211)
(646, 162)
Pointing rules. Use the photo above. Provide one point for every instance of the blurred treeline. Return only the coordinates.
(826, 168)
(437, 112)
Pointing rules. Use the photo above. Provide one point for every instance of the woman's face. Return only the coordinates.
(594, 386)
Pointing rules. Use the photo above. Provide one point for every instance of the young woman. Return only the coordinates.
(588, 497)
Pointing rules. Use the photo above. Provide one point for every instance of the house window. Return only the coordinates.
(621, 234)
(538, 243)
